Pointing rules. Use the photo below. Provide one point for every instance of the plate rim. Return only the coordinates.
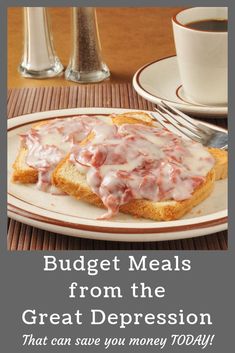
(185, 106)
(124, 237)
(112, 229)
(12, 123)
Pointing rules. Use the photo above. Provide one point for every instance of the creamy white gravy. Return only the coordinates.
(120, 163)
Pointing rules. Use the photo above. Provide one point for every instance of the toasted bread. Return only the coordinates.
(67, 178)
(221, 162)
(22, 173)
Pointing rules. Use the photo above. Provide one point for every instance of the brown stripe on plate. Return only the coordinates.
(50, 242)
(112, 229)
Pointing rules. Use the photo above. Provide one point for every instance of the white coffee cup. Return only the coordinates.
(202, 56)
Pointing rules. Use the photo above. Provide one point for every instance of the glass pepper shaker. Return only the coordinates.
(86, 64)
(39, 59)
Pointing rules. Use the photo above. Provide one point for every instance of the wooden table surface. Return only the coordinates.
(130, 37)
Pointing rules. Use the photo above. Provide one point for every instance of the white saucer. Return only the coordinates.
(160, 81)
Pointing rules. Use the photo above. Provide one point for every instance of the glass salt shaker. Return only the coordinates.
(39, 59)
(86, 64)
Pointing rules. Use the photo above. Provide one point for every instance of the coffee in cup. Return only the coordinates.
(201, 40)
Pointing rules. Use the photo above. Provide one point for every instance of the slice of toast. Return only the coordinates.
(67, 178)
(221, 162)
(22, 173)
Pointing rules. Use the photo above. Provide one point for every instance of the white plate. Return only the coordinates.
(64, 214)
(160, 81)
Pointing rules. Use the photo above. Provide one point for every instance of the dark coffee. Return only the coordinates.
(209, 25)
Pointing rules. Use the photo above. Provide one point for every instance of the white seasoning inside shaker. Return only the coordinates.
(39, 59)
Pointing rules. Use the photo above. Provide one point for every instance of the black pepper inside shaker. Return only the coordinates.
(86, 64)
